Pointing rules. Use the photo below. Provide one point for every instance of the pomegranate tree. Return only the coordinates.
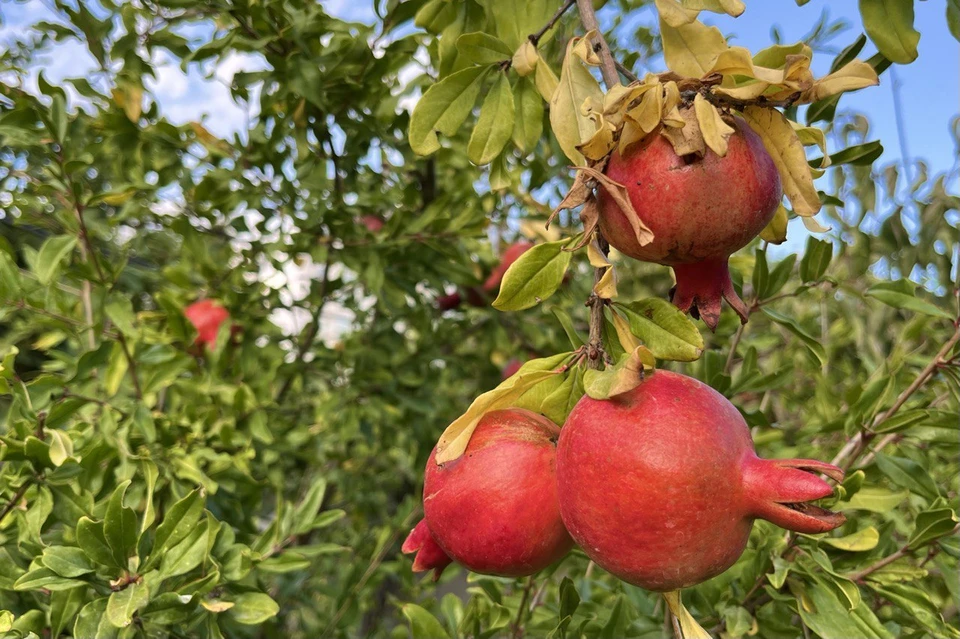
(494, 510)
(660, 485)
(700, 210)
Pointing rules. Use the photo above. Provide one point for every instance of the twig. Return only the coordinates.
(733, 349)
(595, 349)
(627, 73)
(518, 623)
(857, 445)
(17, 496)
(860, 574)
(535, 37)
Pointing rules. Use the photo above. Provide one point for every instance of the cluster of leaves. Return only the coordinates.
(262, 487)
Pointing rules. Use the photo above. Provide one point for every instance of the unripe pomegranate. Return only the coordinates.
(660, 485)
(700, 209)
(510, 255)
(206, 316)
(494, 510)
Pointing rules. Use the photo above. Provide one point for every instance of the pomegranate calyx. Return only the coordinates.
(782, 491)
(700, 288)
(429, 554)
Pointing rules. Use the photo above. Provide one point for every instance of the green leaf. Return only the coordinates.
(64, 605)
(92, 622)
(528, 119)
(177, 523)
(483, 48)
(557, 405)
(123, 604)
(953, 18)
(860, 541)
(858, 155)
(908, 474)
(813, 346)
(778, 277)
(92, 541)
(535, 276)
(120, 311)
(889, 23)
(423, 625)
(150, 475)
(816, 259)
(66, 561)
(186, 555)
(6, 620)
(116, 369)
(737, 621)
(444, 107)
(51, 254)
(664, 329)
(495, 124)
(120, 526)
(566, 322)
(252, 608)
(827, 616)
(902, 421)
(918, 605)
(47, 579)
(932, 525)
(903, 294)
(878, 500)
(58, 118)
(306, 511)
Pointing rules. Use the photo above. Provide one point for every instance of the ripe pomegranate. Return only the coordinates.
(494, 509)
(700, 209)
(660, 485)
(373, 223)
(510, 255)
(206, 316)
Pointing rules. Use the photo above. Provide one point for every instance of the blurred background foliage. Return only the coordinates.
(150, 487)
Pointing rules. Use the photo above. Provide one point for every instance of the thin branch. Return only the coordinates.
(535, 37)
(608, 68)
(518, 623)
(17, 496)
(595, 349)
(860, 574)
(627, 73)
(733, 349)
(858, 444)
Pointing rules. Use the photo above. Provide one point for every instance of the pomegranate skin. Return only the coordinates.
(206, 316)
(495, 510)
(660, 485)
(700, 212)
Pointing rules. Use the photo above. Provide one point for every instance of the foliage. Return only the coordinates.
(262, 487)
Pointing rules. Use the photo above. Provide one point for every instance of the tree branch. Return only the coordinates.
(860, 574)
(17, 496)
(518, 623)
(608, 68)
(535, 37)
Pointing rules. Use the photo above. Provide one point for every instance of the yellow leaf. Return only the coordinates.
(687, 139)
(583, 48)
(569, 125)
(714, 130)
(629, 373)
(606, 288)
(546, 81)
(692, 49)
(647, 114)
(627, 339)
(811, 135)
(688, 625)
(525, 59)
(670, 110)
(776, 231)
(619, 194)
(674, 14)
(457, 435)
(129, 97)
(595, 256)
(601, 142)
(852, 76)
(860, 541)
(787, 152)
(813, 226)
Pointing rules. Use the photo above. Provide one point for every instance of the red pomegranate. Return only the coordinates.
(494, 510)
(660, 485)
(206, 316)
(373, 223)
(700, 209)
(510, 255)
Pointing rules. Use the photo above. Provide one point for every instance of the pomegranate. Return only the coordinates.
(206, 316)
(494, 510)
(660, 485)
(510, 255)
(373, 223)
(700, 209)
